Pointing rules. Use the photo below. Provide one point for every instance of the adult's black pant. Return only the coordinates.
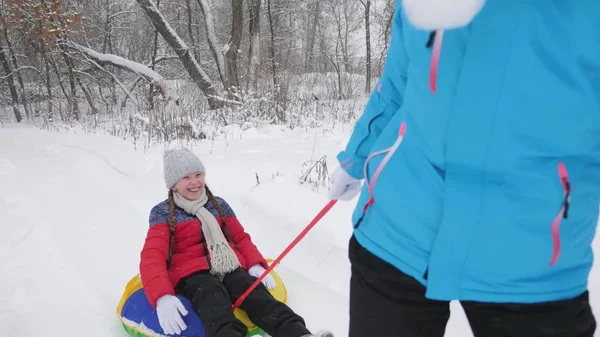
(386, 302)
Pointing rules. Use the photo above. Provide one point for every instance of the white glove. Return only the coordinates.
(169, 310)
(343, 186)
(257, 270)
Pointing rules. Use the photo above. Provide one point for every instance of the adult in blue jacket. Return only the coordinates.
(479, 149)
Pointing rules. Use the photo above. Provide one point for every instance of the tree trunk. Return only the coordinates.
(62, 87)
(189, 62)
(48, 86)
(88, 96)
(272, 49)
(388, 29)
(367, 5)
(73, 102)
(235, 40)
(254, 49)
(312, 33)
(279, 96)
(213, 41)
(153, 62)
(190, 27)
(11, 83)
(345, 39)
(107, 46)
(19, 77)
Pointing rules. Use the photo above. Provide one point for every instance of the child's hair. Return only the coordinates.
(173, 221)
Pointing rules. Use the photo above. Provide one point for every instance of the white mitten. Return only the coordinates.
(170, 310)
(257, 270)
(343, 186)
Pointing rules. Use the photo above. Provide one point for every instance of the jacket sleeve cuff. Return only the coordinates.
(257, 258)
(353, 165)
(156, 289)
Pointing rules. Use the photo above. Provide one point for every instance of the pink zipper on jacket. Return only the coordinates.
(562, 214)
(435, 59)
(563, 175)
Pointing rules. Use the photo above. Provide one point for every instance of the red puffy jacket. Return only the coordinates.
(190, 254)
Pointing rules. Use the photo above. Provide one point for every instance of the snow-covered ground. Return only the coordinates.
(75, 213)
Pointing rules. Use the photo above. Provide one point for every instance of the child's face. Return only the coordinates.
(190, 186)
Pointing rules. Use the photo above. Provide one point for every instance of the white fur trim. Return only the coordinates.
(441, 14)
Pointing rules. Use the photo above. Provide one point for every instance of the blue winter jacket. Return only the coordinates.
(487, 189)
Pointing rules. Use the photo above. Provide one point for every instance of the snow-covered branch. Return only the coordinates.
(120, 62)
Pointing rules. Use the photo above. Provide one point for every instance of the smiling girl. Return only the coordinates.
(196, 247)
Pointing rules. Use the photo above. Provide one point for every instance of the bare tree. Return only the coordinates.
(231, 50)
(153, 61)
(181, 49)
(213, 41)
(367, 5)
(254, 50)
(11, 83)
(15, 65)
(272, 61)
(313, 23)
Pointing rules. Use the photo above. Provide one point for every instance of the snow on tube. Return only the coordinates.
(139, 319)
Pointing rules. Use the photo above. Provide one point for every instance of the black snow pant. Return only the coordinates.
(212, 300)
(386, 302)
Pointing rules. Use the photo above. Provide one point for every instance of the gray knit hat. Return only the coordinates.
(179, 163)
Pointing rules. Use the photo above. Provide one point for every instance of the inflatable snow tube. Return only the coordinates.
(139, 318)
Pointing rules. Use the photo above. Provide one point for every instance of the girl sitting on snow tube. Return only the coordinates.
(211, 261)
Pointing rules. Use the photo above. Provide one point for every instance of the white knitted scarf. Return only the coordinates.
(222, 257)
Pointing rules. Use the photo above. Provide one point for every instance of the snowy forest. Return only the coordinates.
(165, 69)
